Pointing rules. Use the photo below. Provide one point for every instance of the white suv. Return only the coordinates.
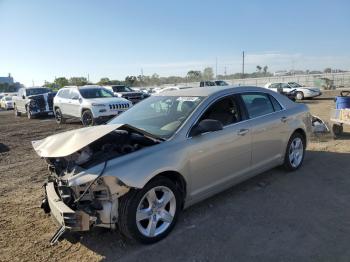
(91, 104)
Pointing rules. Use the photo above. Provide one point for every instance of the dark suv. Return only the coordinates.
(127, 93)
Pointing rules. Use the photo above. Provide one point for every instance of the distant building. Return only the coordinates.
(6, 80)
(280, 73)
(11, 84)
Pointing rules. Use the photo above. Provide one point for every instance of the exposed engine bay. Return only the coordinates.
(112, 145)
(78, 180)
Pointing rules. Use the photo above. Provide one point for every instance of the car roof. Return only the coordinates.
(210, 90)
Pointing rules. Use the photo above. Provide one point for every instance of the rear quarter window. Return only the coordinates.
(276, 105)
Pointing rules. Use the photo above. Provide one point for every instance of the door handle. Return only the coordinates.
(284, 119)
(242, 132)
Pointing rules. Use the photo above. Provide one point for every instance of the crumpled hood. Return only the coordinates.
(67, 143)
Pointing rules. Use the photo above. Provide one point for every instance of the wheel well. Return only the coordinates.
(301, 132)
(84, 109)
(178, 180)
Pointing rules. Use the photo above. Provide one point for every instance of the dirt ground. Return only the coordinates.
(276, 216)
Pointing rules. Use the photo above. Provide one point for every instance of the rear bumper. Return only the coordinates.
(63, 214)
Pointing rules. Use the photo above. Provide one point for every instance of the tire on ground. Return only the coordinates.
(128, 205)
(287, 163)
(59, 117)
(87, 114)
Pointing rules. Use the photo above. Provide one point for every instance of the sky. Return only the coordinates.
(44, 39)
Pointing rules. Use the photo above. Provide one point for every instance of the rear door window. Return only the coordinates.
(257, 104)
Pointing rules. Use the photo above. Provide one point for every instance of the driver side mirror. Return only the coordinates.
(75, 97)
(23, 97)
(206, 125)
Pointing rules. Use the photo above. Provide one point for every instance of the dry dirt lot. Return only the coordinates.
(277, 216)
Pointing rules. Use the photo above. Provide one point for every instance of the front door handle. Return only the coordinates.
(242, 132)
(284, 119)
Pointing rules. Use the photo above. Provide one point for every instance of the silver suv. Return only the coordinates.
(91, 104)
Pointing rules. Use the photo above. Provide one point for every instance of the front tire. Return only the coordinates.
(87, 118)
(300, 95)
(149, 214)
(29, 114)
(295, 152)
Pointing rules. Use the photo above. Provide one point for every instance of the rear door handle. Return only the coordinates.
(284, 119)
(242, 132)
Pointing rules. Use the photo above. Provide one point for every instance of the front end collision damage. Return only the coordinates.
(78, 193)
(40, 104)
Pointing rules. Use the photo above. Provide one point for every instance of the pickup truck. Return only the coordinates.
(34, 101)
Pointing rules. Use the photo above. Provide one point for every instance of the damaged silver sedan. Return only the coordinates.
(137, 172)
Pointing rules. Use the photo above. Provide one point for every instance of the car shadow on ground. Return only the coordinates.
(271, 213)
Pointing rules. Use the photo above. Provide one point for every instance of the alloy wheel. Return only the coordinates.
(296, 152)
(156, 211)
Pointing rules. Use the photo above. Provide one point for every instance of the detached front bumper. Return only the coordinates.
(63, 214)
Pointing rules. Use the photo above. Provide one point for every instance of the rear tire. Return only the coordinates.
(87, 118)
(144, 220)
(59, 117)
(295, 152)
(337, 130)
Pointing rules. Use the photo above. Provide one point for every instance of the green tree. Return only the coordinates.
(193, 75)
(61, 82)
(78, 81)
(104, 81)
(327, 70)
(258, 68)
(208, 73)
(265, 69)
(130, 80)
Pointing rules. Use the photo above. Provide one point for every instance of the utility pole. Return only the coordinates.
(216, 68)
(141, 76)
(225, 72)
(243, 64)
(88, 79)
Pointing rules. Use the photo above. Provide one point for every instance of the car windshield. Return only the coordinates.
(8, 98)
(122, 89)
(160, 116)
(95, 93)
(37, 91)
(293, 84)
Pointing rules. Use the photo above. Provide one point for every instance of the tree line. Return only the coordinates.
(154, 80)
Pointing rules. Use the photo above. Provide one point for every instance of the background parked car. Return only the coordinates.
(127, 93)
(91, 104)
(34, 101)
(301, 92)
(213, 83)
(6, 102)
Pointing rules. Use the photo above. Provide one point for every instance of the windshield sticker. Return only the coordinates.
(187, 98)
